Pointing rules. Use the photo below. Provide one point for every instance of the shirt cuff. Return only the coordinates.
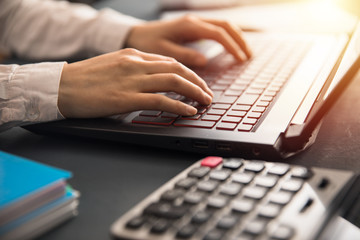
(111, 31)
(30, 93)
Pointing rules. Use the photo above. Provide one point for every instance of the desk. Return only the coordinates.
(112, 177)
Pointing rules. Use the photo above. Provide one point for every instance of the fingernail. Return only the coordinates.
(190, 110)
(208, 98)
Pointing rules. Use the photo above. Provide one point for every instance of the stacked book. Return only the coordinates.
(34, 198)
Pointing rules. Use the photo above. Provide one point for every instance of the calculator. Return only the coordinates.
(233, 198)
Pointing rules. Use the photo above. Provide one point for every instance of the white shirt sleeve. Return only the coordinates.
(44, 29)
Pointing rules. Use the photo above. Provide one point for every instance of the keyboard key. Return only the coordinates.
(221, 106)
(150, 113)
(199, 172)
(211, 162)
(153, 120)
(256, 115)
(218, 112)
(194, 123)
(254, 91)
(259, 109)
(241, 108)
(247, 99)
(194, 117)
(218, 87)
(251, 121)
(232, 113)
(214, 234)
(262, 104)
(231, 119)
(245, 127)
(242, 205)
(231, 92)
(169, 115)
(213, 118)
(226, 126)
(227, 99)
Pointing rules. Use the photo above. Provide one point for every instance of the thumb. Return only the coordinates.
(185, 55)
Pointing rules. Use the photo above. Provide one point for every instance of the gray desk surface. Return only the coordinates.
(112, 177)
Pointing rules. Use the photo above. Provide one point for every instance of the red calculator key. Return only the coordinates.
(211, 162)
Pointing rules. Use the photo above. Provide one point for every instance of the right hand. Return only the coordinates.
(126, 81)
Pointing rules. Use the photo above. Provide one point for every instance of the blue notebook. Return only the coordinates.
(25, 185)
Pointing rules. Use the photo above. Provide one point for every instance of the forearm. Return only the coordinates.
(42, 29)
(29, 93)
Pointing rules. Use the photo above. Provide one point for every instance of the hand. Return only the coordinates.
(125, 81)
(166, 38)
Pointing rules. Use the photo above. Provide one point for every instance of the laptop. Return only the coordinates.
(268, 107)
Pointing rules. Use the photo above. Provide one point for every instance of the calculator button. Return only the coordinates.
(255, 227)
(186, 183)
(211, 162)
(201, 217)
(292, 185)
(283, 232)
(207, 185)
(254, 166)
(160, 226)
(135, 222)
(199, 172)
(230, 189)
(193, 197)
(244, 177)
(217, 201)
(269, 211)
(220, 174)
(214, 234)
(171, 195)
(227, 222)
(186, 231)
(266, 181)
(279, 169)
(300, 172)
(165, 210)
(232, 163)
(255, 192)
(242, 205)
(280, 197)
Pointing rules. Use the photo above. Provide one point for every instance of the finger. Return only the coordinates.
(219, 34)
(234, 32)
(171, 82)
(146, 56)
(183, 54)
(150, 101)
(155, 67)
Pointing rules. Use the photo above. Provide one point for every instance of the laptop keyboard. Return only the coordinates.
(242, 92)
(232, 198)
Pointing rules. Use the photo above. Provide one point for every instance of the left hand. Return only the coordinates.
(166, 38)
